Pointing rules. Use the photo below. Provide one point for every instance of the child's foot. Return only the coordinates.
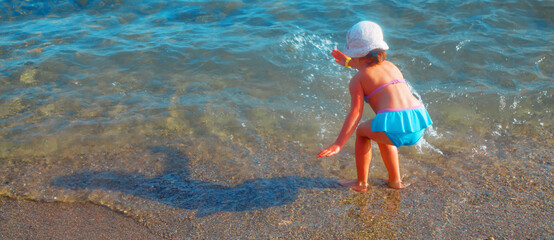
(360, 187)
(353, 184)
(396, 185)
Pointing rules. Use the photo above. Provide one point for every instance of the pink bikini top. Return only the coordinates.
(390, 109)
(381, 87)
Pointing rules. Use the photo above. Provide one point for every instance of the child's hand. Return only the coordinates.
(340, 57)
(330, 151)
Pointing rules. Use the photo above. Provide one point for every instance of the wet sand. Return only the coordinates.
(40, 220)
(446, 199)
(484, 183)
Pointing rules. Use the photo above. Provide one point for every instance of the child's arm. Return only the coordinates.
(351, 121)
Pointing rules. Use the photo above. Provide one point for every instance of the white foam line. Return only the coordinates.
(424, 144)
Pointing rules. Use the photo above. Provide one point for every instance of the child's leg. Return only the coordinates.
(364, 135)
(363, 159)
(390, 158)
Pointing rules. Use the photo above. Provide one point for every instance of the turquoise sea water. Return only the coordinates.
(193, 115)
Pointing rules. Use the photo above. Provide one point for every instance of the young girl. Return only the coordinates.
(401, 119)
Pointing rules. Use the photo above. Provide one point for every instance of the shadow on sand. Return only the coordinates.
(173, 187)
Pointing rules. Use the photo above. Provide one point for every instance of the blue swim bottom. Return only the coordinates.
(402, 126)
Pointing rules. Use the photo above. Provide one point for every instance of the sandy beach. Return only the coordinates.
(446, 198)
(40, 220)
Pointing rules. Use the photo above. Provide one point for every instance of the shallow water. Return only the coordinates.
(203, 119)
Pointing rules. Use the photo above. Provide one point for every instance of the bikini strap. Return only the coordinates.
(382, 86)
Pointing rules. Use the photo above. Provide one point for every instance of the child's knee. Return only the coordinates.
(362, 131)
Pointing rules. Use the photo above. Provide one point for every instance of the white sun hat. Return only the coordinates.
(364, 37)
